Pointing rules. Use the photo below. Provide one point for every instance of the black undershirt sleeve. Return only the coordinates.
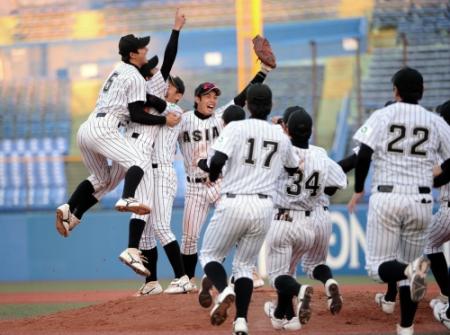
(216, 165)
(155, 102)
(362, 166)
(348, 163)
(444, 177)
(242, 96)
(203, 164)
(138, 115)
(170, 54)
(330, 190)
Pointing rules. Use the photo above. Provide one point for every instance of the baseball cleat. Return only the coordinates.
(304, 303)
(280, 324)
(179, 285)
(440, 313)
(63, 216)
(416, 272)
(334, 300)
(132, 205)
(133, 258)
(224, 301)
(240, 327)
(386, 306)
(405, 331)
(204, 295)
(257, 280)
(150, 288)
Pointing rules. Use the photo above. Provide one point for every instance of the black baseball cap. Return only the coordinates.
(409, 83)
(205, 88)
(287, 113)
(300, 125)
(178, 83)
(444, 111)
(150, 65)
(233, 113)
(130, 43)
(259, 94)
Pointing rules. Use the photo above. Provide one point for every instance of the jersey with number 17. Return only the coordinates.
(406, 139)
(257, 152)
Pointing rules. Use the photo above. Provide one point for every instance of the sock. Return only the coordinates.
(322, 272)
(392, 271)
(189, 263)
(132, 179)
(136, 229)
(391, 292)
(408, 308)
(83, 190)
(287, 285)
(84, 205)
(243, 287)
(152, 260)
(285, 308)
(173, 253)
(440, 271)
(216, 273)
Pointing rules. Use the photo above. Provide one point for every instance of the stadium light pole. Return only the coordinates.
(248, 24)
(315, 109)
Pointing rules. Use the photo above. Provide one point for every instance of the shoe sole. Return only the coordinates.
(204, 296)
(304, 313)
(138, 271)
(418, 282)
(336, 299)
(59, 223)
(139, 210)
(220, 314)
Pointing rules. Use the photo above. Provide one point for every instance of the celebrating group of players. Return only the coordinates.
(267, 184)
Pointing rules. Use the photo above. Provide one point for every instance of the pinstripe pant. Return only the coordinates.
(439, 230)
(99, 139)
(396, 228)
(158, 224)
(287, 242)
(243, 222)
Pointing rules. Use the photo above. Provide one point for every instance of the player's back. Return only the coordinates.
(303, 191)
(405, 139)
(257, 155)
(124, 85)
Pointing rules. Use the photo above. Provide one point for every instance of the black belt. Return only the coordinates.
(155, 166)
(103, 115)
(135, 135)
(390, 188)
(325, 208)
(196, 180)
(261, 196)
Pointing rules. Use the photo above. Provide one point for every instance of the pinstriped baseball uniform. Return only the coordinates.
(439, 230)
(300, 228)
(165, 186)
(257, 152)
(195, 138)
(405, 139)
(99, 137)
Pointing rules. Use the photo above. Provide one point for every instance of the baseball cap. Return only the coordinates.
(205, 88)
(409, 83)
(233, 113)
(300, 124)
(444, 111)
(178, 83)
(130, 43)
(287, 113)
(150, 65)
(259, 94)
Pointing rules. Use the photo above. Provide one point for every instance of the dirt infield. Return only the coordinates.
(180, 314)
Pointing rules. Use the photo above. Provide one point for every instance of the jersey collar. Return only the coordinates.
(201, 116)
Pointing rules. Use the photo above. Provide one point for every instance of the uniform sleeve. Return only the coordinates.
(290, 159)
(444, 136)
(368, 133)
(219, 111)
(156, 85)
(336, 176)
(136, 89)
(226, 141)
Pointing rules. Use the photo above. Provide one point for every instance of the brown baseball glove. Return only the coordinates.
(263, 51)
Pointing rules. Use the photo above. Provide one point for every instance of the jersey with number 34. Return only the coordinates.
(406, 140)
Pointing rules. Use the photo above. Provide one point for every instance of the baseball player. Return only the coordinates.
(121, 99)
(300, 230)
(199, 129)
(402, 140)
(254, 152)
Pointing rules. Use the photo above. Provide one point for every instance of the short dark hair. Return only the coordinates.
(409, 84)
(300, 125)
(259, 100)
(289, 111)
(233, 113)
(444, 111)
